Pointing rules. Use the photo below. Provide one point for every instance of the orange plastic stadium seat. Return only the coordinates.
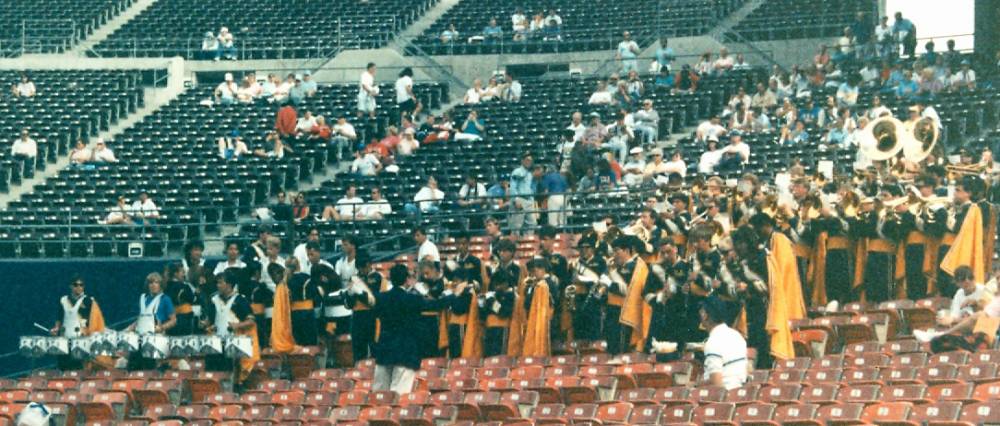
(841, 414)
(915, 393)
(680, 413)
(758, 414)
(886, 412)
(743, 395)
(820, 394)
(958, 392)
(674, 395)
(720, 413)
(828, 375)
(862, 394)
(983, 413)
(943, 411)
(898, 375)
(614, 413)
(582, 414)
(785, 393)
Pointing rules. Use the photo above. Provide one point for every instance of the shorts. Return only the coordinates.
(407, 106)
(366, 103)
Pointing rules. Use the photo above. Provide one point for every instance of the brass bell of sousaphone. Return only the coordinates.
(882, 139)
(920, 140)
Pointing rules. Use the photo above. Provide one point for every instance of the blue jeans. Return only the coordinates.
(413, 209)
(229, 52)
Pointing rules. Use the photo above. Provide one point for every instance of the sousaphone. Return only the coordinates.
(882, 139)
(920, 140)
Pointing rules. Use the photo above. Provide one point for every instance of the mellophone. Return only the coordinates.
(111, 343)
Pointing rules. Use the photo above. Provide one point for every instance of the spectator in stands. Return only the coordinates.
(759, 121)
(735, 155)
(847, 93)
(304, 125)
(884, 40)
(449, 35)
(620, 135)
(870, 74)
(577, 126)
(787, 113)
(375, 209)
(907, 88)
(686, 80)
(472, 128)
(597, 132)
(80, 154)
(511, 89)
(491, 92)
(633, 168)
(726, 362)
(622, 98)
(952, 57)
(284, 90)
(519, 24)
(244, 92)
(845, 47)
(321, 131)
(740, 98)
(407, 143)
(524, 180)
(270, 87)
(121, 213)
(664, 78)
(273, 147)
(930, 56)
(796, 134)
(145, 210)
(741, 63)
(231, 147)
(286, 121)
(406, 101)
(822, 59)
(25, 88)
(664, 57)
(862, 31)
(347, 208)
(475, 93)
(210, 47)
(601, 96)
(764, 98)
(929, 84)
(297, 93)
(300, 209)
(704, 65)
(965, 78)
(472, 193)
(309, 86)
(536, 26)
(427, 200)
(634, 86)
(499, 196)
(627, 52)
(553, 26)
(367, 91)
(25, 149)
(227, 45)
(225, 92)
(555, 187)
(103, 154)
(647, 121)
(724, 62)
(906, 33)
(709, 129)
(344, 135)
(492, 33)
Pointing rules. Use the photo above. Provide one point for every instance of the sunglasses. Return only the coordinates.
(78, 284)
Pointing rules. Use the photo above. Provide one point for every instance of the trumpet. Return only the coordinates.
(569, 294)
(971, 169)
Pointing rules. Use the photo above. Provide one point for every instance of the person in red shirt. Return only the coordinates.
(286, 120)
(320, 130)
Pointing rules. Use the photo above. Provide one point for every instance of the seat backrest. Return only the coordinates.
(716, 412)
(837, 413)
(864, 394)
(705, 394)
(941, 411)
(819, 393)
(886, 412)
(617, 412)
(918, 359)
(680, 413)
(904, 392)
(548, 411)
(754, 412)
(780, 393)
(743, 394)
(986, 412)
(646, 414)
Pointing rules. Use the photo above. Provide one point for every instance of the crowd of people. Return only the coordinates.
(544, 26)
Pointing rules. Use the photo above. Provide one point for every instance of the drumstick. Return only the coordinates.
(43, 328)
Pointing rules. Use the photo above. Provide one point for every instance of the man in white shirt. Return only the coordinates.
(965, 78)
(764, 98)
(627, 52)
(25, 149)
(647, 121)
(365, 163)
(300, 253)
(969, 297)
(472, 192)
(367, 91)
(709, 129)
(427, 199)
(519, 23)
(426, 250)
(232, 259)
(24, 89)
(726, 362)
(347, 207)
(103, 154)
(376, 208)
(305, 124)
(736, 154)
(145, 209)
(511, 89)
(577, 126)
(344, 136)
(634, 167)
(272, 250)
(724, 62)
(225, 92)
(313, 257)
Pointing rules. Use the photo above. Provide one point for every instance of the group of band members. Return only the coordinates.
(768, 252)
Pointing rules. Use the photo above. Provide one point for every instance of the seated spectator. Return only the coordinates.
(25, 88)
(475, 93)
(103, 154)
(320, 131)
(144, 210)
(647, 121)
(493, 33)
(227, 46)
(634, 86)
(347, 208)
(450, 35)
(120, 214)
(344, 135)
(686, 80)
(553, 26)
(739, 98)
(601, 96)
(726, 362)
(929, 84)
(407, 143)
(724, 63)
(907, 88)
(741, 63)
(597, 132)
(305, 124)
(606, 178)
(711, 157)
(759, 121)
(309, 86)
(620, 135)
(664, 78)
(782, 87)
(577, 126)
(387, 146)
(794, 135)
(366, 163)
(225, 92)
(300, 209)
(965, 78)
(80, 154)
(232, 147)
(297, 93)
(519, 24)
(676, 165)
(870, 76)
(835, 133)
(375, 209)
(491, 92)
(472, 129)
(735, 155)
(788, 113)
(210, 47)
(877, 109)
(633, 168)
(270, 87)
(822, 58)
(810, 114)
(764, 98)
(499, 193)
(273, 147)
(25, 150)
(709, 129)
(511, 89)
(536, 26)
(244, 93)
(847, 93)
(704, 65)
(472, 192)
(427, 200)
(970, 303)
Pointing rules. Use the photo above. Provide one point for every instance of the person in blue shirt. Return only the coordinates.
(555, 186)
(907, 88)
(472, 128)
(156, 316)
(664, 55)
(492, 33)
(664, 78)
(522, 193)
(905, 33)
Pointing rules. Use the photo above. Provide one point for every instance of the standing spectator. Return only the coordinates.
(724, 63)
(845, 46)
(627, 52)
(286, 120)
(427, 200)
(25, 150)
(492, 33)
(952, 57)
(25, 88)
(511, 91)
(647, 121)
(227, 46)
(555, 185)
(145, 209)
(522, 190)
(664, 57)
(406, 101)
(344, 135)
(449, 35)
(885, 42)
(862, 31)
(472, 128)
(210, 47)
(367, 91)
(905, 33)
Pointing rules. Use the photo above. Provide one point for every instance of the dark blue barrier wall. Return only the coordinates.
(30, 292)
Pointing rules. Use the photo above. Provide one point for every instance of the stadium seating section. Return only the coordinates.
(596, 25)
(173, 154)
(262, 29)
(791, 19)
(68, 105)
(52, 26)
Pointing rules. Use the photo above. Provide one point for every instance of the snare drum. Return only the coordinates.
(239, 347)
(155, 346)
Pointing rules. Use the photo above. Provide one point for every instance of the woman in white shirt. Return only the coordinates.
(407, 144)
(81, 154)
(492, 91)
(601, 96)
(711, 157)
(24, 89)
(475, 93)
(405, 100)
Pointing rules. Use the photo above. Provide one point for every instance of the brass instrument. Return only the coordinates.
(569, 293)
(919, 141)
(971, 169)
(849, 204)
(882, 139)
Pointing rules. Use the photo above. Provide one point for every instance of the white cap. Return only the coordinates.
(229, 76)
(636, 150)
(392, 168)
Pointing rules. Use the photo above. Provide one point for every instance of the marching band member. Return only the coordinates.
(646, 230)
(975, 226)
(587, 269)
(431, 288)
(705, 261)
(156, 316)
(303, 295)
(261, 303)
(631, 277)
(185, 299)
(921, 243)
(533, 313)
(282, 337)
(785, 302)
(464, 328)
(495, 309)
(327, 280)
(506, 249)
(360, 297)
(230, 314)
(558, 267)
(79, 315)
(881, 228)
(752, 292)
(465, 266)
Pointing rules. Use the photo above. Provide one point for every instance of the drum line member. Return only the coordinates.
(303, 295)
(156, 316)
(346, 268)
(587, 269)
(360, 297)
(79, 315)
(495, 309)
(183, 295)
(261, 303)
(230, 314)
